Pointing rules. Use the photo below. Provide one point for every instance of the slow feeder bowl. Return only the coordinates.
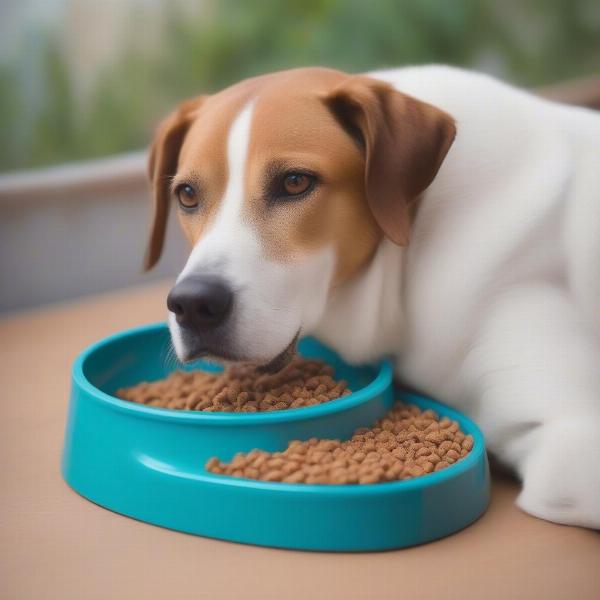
(148, 463)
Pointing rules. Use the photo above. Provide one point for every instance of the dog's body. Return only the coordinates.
(493, 306)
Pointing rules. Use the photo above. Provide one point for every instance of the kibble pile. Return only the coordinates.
(406, 443)
(242, 388)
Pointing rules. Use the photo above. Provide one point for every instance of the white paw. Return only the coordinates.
(561, 473)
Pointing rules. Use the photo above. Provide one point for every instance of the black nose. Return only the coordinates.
(200, 302)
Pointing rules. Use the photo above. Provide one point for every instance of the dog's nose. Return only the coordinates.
(200, 302)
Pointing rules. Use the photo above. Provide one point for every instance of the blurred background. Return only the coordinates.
(84, 82)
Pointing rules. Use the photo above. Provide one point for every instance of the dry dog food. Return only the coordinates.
(242, 388)
(406, 443)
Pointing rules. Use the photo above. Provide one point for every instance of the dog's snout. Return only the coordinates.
(200, 302)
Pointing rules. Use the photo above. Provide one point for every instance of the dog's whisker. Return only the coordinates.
(169, 357)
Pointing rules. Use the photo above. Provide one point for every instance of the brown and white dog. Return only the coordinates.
(299, 191)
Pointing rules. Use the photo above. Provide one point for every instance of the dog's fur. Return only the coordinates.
(494, 304)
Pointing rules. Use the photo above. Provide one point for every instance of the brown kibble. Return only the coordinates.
(243, 397)
(260, 460)
(251, 473)
(452, 454)
(211, 463)
(395, 470)
(290, 467)
(320, 390)
(312, 383)
(436, 436)
(444, 447)
(327, 445)
(296, 477)
(400, 453)
(416, 471)
(427, 466)
(241, 389)
(276, 462)
(239, 460)
(299, 456)
(316, 456)
(395, 448)
(368, 477)
(269, 399)
(373, 456)
(369, 445)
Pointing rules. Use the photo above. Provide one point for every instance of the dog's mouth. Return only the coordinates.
(223, 355)
(283, 358)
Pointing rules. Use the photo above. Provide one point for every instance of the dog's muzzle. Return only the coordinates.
(202, 306)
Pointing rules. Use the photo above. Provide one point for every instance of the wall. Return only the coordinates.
(76, 230)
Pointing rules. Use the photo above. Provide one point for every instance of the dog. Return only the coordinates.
(429, 213)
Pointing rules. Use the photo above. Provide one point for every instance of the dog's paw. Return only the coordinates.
(561, 474)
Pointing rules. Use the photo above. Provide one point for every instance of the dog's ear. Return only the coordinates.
(404, 141)
(162, 165)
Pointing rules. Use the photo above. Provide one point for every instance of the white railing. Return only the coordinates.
(124, 170)
(77, 229)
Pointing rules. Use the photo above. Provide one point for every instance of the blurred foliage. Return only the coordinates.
(530, 42)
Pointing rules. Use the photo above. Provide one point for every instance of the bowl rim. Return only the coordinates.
(381, 382)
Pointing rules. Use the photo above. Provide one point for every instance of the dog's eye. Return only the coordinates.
(295, 184)
(186, 196)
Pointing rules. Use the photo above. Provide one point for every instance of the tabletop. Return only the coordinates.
(55, 544)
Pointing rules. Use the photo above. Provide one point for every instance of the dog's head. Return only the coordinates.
(284, 185)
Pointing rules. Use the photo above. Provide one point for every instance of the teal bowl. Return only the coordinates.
(148, 463)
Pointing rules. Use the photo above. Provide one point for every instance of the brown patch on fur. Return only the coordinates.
(293, 130)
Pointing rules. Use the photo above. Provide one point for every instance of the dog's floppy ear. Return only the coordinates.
(404, 141)
(162, 165)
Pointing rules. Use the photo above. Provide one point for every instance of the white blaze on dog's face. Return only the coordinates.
(281, 188)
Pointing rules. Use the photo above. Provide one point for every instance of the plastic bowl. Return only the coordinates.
(148, 463)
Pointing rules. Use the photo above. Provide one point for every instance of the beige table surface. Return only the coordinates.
(54, 544)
